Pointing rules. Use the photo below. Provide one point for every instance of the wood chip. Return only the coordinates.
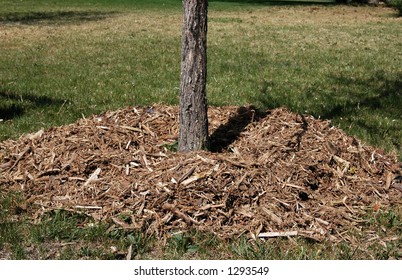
(174, 210)
(267, 173)
(93, 177)
(88, 207)
(278, 234)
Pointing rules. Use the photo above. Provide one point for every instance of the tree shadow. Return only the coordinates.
(269, 100)
(15, 105)
(388, 98)
(227, 133)
(56, 17)
(371, 105)
(8, 112)
(343, 97)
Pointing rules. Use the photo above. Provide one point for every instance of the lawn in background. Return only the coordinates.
(62, 60)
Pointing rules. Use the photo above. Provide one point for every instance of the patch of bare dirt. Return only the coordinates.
(267, 174)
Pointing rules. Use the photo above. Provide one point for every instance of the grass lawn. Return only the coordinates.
(62, 60)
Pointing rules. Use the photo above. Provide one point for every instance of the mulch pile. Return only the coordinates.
(268, 174)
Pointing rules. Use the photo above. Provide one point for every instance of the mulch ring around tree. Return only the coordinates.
(267, 174)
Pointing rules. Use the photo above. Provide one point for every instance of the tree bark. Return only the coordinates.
(193, 130)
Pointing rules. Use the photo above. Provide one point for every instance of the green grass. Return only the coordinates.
(397, 5)
(61, 60)
(122, 5)
(64, 235)
(61, 234)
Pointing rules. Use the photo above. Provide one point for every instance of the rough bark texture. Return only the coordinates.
(193, 133)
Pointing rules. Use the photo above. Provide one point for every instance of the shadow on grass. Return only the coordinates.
(57, 17)
(372, 105)
(382, 112)
(343, 97)
(388, 98)
(14, 105)
(227, 133)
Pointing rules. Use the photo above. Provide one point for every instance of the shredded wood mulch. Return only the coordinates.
(268, 174)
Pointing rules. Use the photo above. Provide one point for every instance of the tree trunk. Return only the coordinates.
(193, 130)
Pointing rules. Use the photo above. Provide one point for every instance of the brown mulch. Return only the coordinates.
(272, 173)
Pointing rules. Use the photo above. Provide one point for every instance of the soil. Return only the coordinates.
(273, 173)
